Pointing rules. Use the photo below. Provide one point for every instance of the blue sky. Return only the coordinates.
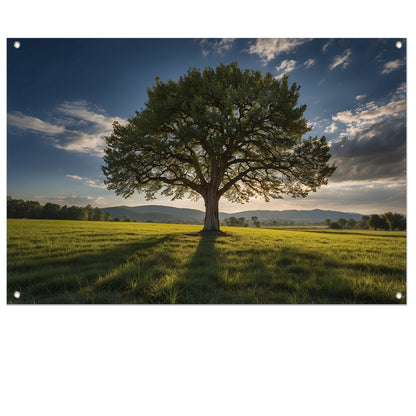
(64, 94)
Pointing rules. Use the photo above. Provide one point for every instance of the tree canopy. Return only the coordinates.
(223, 132)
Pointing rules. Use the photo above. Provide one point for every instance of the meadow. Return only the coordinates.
(75, 262)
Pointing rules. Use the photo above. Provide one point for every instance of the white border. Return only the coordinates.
(220, 360)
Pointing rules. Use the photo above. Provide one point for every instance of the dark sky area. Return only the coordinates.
(64, 94)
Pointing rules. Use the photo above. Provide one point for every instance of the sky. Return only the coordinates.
(64, 94)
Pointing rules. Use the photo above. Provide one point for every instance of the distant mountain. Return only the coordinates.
(158, 213)
(165, 214)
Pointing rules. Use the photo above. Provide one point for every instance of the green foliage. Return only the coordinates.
(107, 262)
(223, 132)
(341, 222)
(350, 224)
(278, 223)
(90, 211)
(236, 222)
(255, 221)
(99, 215)
(394, 221)
(51, 211)
(72, 213)
(17, 208)
(363, 224)
(387, 221)
(376, 222)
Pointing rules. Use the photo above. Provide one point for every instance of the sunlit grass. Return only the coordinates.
(99, 262)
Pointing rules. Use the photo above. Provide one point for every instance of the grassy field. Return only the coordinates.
(102, 262)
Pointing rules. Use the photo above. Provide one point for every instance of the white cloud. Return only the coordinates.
(400, 93)
(285, 67)
(309, 63)
(327, 45)
(318, 122)
(82, 110)
(360, 97)
(364, 197)
(23, 122)
(78, 141)
(268, 49)
(331, 128)
(89, 182)
(393, 66)
(65, 133)
(216, 46)
(223, 45)
(377, 152)
(79, 178)
(368, 114)
(372, 145)
(342, 60)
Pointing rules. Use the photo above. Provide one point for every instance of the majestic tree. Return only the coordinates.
(225, 132)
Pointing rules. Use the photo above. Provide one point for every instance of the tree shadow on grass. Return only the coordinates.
(73, 279)
(218, 271)
(198, 284)
(283, 275)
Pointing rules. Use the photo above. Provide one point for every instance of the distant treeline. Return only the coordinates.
(17, 208)
(241, 222)
(387, 221)
(253, 222)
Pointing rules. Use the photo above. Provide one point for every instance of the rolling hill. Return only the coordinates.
(165, 214)
(158, 213)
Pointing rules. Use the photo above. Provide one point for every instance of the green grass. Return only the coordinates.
(98, 262)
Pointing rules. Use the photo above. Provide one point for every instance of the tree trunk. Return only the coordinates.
(211, 222)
